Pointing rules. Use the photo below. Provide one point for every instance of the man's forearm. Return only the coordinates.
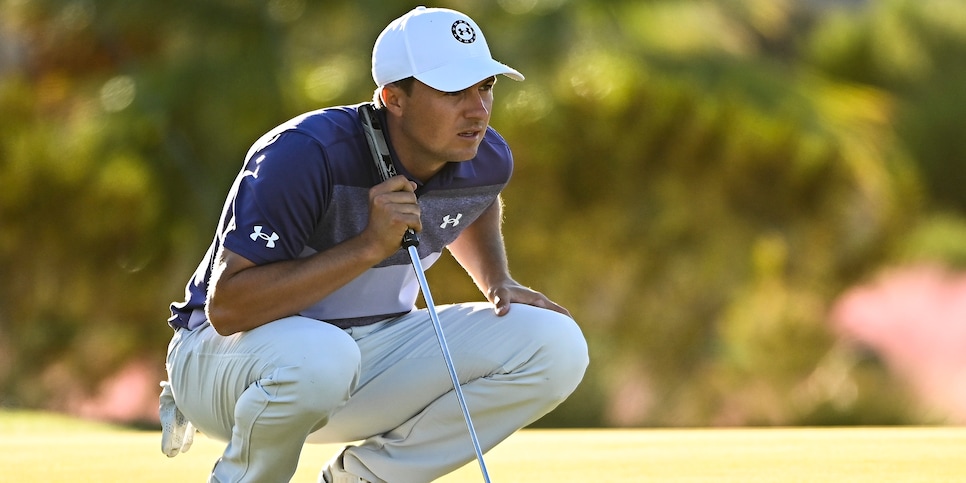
(243, 295)
(481, 251)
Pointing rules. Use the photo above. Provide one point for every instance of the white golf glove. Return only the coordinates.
(177, 433)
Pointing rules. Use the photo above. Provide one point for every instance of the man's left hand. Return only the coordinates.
(502, 296)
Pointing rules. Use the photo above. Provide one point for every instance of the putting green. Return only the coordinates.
(53, 449)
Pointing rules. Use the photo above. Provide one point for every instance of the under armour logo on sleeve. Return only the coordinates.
(269, 239)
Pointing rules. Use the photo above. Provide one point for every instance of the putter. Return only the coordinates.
(383, 159)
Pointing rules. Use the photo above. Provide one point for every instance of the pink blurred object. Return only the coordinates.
(915, 319)
(131, 395)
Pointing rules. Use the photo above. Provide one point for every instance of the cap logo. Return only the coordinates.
(463, 32)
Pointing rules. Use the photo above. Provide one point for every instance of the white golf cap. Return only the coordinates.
(442, 48)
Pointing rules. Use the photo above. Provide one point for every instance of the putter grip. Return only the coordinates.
(382, 157)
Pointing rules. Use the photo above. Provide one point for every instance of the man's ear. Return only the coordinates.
(393, 98)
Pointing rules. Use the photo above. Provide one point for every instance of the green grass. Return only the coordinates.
(53, 449)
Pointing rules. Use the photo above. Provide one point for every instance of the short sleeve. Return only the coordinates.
(279, 199)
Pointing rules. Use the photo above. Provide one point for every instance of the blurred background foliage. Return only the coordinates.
(698, 181)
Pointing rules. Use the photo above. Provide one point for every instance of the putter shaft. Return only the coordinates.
(431, 307)
(382, 157)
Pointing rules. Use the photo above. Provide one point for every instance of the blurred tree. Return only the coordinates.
(916, 49)
(702, 202)
(122, 121)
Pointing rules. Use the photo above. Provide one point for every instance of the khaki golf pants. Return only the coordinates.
(270, 390)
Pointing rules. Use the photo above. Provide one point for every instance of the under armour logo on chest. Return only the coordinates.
(269, 239)
(447, 221)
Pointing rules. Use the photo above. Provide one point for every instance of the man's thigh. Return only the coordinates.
(209, 372)
(403, 370)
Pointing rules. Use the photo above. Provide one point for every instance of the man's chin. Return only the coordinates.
(463, 158)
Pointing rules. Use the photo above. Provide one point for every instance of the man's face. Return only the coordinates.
(434, 127)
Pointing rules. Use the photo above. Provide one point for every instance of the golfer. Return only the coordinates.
(300, 323)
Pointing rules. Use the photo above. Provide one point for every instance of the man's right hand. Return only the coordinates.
(393, 209)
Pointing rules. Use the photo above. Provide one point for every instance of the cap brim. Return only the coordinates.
(456, 76)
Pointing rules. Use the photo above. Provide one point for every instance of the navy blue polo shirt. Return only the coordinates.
(304, 188)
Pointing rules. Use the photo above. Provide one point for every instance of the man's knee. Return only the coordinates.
(310, 380)
(561, 354)
(568, 351)
(298, 397)
(319, 385)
